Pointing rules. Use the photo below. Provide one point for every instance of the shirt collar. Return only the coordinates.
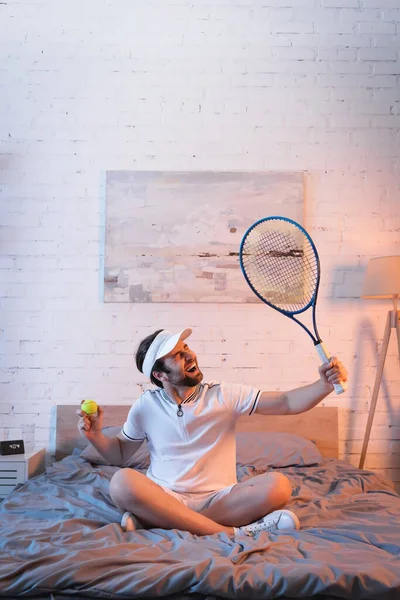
(191, 398)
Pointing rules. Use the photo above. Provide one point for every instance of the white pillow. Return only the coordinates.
(262, 449)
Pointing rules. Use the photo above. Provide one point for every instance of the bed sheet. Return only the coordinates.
(60, 537)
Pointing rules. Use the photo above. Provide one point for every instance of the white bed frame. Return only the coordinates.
(319, 425)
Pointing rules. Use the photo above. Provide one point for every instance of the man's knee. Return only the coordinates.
(282, 489)
(123, 487)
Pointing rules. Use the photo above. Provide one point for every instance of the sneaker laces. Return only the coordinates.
(263, 525)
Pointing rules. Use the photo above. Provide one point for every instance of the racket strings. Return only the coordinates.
(281, 265)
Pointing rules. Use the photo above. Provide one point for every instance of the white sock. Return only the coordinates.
(237, 530)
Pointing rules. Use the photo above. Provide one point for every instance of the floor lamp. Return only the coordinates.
(382, 281)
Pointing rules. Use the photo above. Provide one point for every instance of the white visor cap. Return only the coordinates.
(162, 345)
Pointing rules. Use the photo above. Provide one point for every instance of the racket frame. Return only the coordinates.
(312, 301)
(319, 346)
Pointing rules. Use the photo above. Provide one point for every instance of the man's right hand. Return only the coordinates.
(90, 426)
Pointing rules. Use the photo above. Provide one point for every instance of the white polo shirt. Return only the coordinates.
(195, 452)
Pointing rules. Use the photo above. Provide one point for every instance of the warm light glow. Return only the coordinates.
(382, 279)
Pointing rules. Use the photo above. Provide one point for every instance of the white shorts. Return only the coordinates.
(199, 501)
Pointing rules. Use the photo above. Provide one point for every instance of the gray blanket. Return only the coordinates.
(60, 537)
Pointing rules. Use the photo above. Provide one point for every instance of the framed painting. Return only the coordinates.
(175, 236)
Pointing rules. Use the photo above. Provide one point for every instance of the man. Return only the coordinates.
(190, 431)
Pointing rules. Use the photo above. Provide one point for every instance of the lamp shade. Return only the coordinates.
(382, 279)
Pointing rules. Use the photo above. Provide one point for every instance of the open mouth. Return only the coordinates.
(192, 369)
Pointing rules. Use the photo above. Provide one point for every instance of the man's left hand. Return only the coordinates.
(333, 372)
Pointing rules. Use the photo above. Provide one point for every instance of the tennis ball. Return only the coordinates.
(89, 407)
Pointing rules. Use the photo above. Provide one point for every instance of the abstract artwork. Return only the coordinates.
(175, 236)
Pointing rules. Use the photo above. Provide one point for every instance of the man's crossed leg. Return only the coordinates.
(258, 498)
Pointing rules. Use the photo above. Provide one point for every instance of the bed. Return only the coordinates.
(60, 535)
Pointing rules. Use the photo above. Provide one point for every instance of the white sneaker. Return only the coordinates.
(279, 519)
(130, 523)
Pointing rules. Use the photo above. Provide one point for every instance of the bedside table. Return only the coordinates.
(18, 468)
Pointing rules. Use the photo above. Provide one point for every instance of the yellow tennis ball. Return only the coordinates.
(89, 407)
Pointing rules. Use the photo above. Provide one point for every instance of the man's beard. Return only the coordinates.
(188, 380)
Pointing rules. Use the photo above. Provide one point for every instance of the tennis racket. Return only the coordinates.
(281, 265)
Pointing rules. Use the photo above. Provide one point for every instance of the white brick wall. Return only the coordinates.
(216, 84)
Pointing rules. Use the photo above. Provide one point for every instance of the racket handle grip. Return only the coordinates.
(325, 357)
